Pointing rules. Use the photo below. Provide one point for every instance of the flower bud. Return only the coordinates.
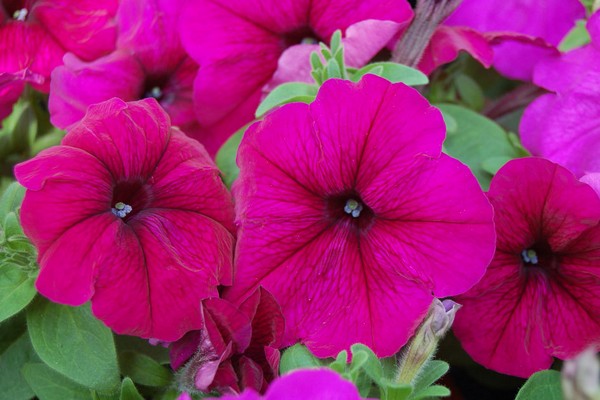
(580, 377)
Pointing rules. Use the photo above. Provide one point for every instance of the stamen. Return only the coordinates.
(309, 40)
(121, 209)
(353, 208)
(155, 92)
(529, 256)
(21, 14)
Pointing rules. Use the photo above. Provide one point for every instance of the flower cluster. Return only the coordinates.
(374, 173)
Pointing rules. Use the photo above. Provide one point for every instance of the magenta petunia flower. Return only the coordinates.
(130, 214)
(149, 62)
(540, 297)
(562, 126)
(353, 219)
(236, 349)
(549, 20)
(304, 384)
(239, 42)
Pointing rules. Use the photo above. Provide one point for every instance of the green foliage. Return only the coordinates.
(227, 155)
(372, 376)
(287, 93)
(392, 72)
(578, 36)
(478, 142)
(74, 343)
(50, 385)
(129, 391)
(543, 385)
(12, 384)
(143, 369)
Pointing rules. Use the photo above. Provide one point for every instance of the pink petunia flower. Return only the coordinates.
(563, 126)
(540, 297)
(549, 21)
(351, 216)
(239, 43)
(149, 62)
(236, 349)
(130, 214)
(304, 384)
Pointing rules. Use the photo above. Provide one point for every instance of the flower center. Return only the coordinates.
(155, 87)
(529, 256)
(20, 15)
(540, 258)
(349, 209)
(304, 35)
(130, 198)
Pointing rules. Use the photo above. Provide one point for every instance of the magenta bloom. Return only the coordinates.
(149, 62)
(304, 384)
(353, 218)
(130, 213)
(540, 297)
(563, 126)
(238, 44)
(236, 348)
(549, 20)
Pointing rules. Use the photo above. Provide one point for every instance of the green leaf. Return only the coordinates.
(392, 391)
(493, 164)
(129, 391)
(431, 391)
(16, 290)
(334, 69)
(578, 36)
(287, 93)
(297, 356)
(144, 370)
(393, 72)
(12, 384)
(71, 341)
(14, 236)
(340, 363)
(336, 41)
(52, 138)
(131, 343)
(476, 140)
(371, 364)
(226, 157)
(469, 91)
(11, 199)
(429, 374)
(50, 385)
(543, 385)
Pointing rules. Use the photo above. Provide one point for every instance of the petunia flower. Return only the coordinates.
(562, 126)
(149, 62)
(540, 297)
(237, 347)
(304, 384)
(239, 43)
(350, 215)
(549, 21)
(130, 214)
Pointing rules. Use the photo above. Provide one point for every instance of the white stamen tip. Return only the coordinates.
(353, 208)
(21, 14)
(121, 209)
(530, 256)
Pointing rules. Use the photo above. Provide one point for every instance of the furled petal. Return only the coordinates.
(84, 27)
(78, 84)
(130, 143)
(267, 321)
(233, 326)
(564, 129)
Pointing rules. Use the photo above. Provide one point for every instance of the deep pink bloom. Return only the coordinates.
(305, 384)
(236, 349)
(540, 297)
(239, 42)
(130, 213)
(549, 20)
(563, 126)
(353, 218)
(149, 62)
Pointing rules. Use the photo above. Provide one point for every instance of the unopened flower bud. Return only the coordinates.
(580, 377)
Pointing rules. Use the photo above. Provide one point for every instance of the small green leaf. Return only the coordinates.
(334, 69)
(543, 385)
(74, 343)
(129, 391)
(394, 73)
(392, 391)
(52, 138)
(50, 385)
(336, 41)
(16, 290)
(469, 91)
(371, 365)
(476, 140)
(297, 356)
(11, 199)
(12, 384)
(578, 36)
(429, 374)
(144, 370)
(431, 391)
(340, 363)
(226, 157)
(287, 93)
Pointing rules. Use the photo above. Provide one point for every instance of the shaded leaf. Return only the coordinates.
(143, 369)
(129, 391)
(13, 385)
(16, 290)
(543, 385)
(226, 157)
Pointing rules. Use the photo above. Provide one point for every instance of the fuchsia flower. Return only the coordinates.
(353, 218)
(130, 214)
(149, 62)
(563, 126)
(236, 348)
(549, 20)
(540, 297)
(239, 42)
(304, 384)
